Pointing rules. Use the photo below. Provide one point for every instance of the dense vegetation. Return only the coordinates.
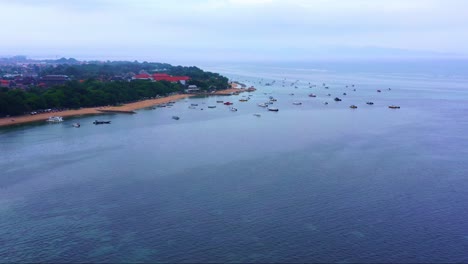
(98, 90)
(75, 95)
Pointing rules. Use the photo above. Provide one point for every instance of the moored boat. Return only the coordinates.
(370, 103)
(297, 103)
(55, 119)
(212, 106)
(175, 117)
(312, 95)
(353, 106)
(228, 103)
(263, 105)
(77, 125)
(233, 109)
(337, 99)
(100, 122)
(394, 107)
(272, 109)
(257, 115)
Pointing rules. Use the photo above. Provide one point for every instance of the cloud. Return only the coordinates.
(233, 28)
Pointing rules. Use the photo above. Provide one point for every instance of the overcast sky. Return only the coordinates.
(217, 30)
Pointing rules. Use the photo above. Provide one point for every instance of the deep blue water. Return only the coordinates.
(311, 183)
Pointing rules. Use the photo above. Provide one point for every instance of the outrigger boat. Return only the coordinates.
(98, 122)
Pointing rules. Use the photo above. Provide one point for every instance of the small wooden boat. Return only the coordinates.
(243, 100)
(337, 99)
(394, 107)
(175, 117)
(100, 122)
(370, 103)
(54, 119)
(273, 109)
(352, 106)
(379, 91)
(220, 102)
(312, 95)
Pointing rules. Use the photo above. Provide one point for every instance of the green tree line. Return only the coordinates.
(74, 95)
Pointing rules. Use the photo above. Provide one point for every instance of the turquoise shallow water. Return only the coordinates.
(311, 183)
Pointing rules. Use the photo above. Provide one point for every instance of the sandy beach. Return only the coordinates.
(9, 121)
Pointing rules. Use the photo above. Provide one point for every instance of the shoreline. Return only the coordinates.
(126, 108)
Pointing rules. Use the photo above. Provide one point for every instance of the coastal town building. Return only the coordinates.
(161, 77)
(50, 80)
(192, 89)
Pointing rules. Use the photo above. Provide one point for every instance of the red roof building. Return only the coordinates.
(167, 77)
(143, 76)
(4, 83)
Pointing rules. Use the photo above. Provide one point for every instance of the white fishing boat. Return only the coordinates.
(77, 125)
(233, 109)
(263, 105)
(55, 119)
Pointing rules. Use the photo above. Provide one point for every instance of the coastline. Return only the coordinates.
(126, 108)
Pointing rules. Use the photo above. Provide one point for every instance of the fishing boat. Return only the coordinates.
(257, 115)
(352, 106)
(312, 95)
(325, 103)
(263, 105)
(243, 100)
(297, 103)
(192, 107)
(54, 119)
(370, 103)
(77, 125)
(212, 106)
(194, 104)
(394, 107)
(379, 91)
(228, 103)
(344, 93)
(337, 99)
(175, 117)
(273, 100)
(220, 102)
(233, 109)
(272, 109)
(100, 122)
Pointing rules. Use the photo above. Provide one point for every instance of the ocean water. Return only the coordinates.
(310, 183)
